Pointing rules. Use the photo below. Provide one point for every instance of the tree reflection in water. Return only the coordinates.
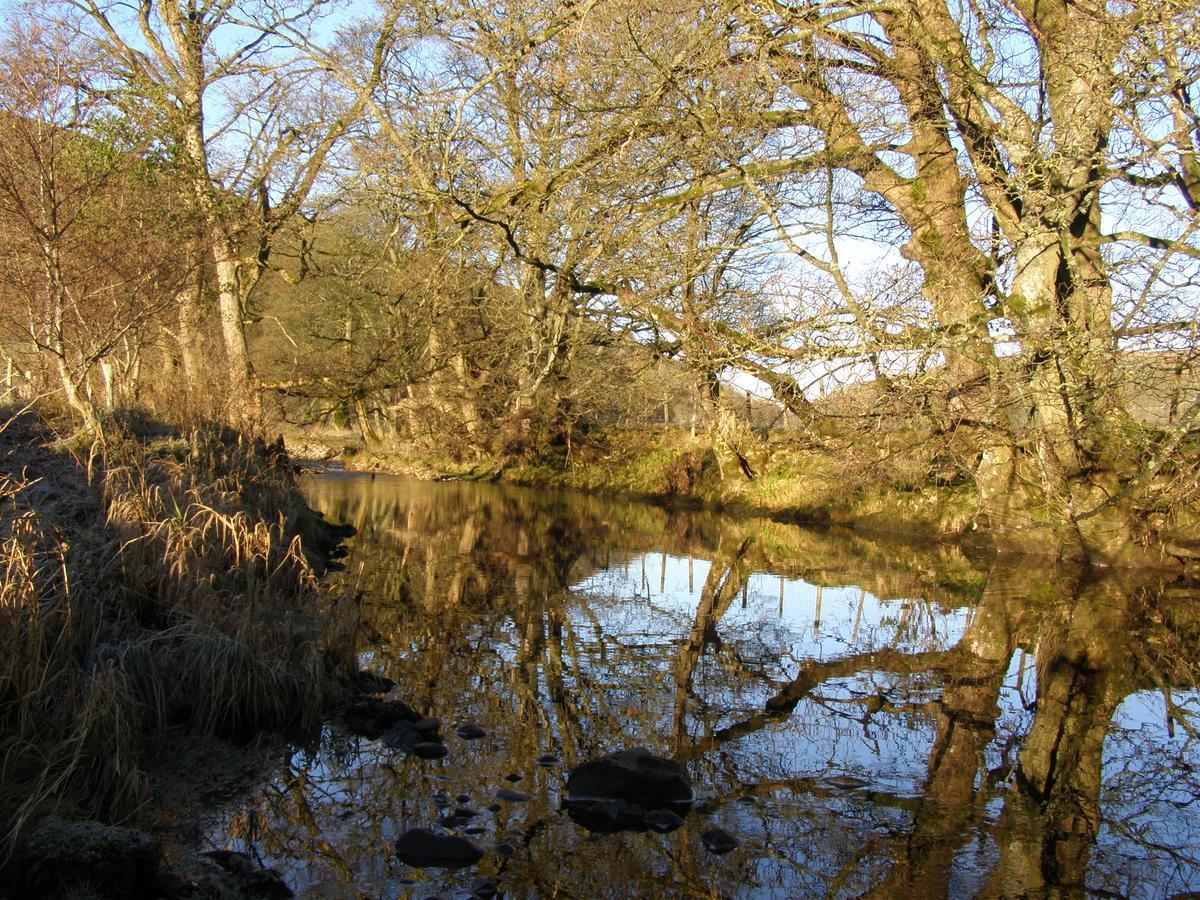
(867, 718)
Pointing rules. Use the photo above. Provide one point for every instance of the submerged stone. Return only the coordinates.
(608, 816)
(510, 796)
(484, 887)
(719, 841)
(663, 820)
(252, 879)
(427, 725)
(636, 776)
(423, 848)
(371, 718)
(371, 683)
(402, 736)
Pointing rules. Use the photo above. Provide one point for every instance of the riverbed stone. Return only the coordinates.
(65, 859)
(663, 820)
(372, 718)
(484, 888)
(719, 841)
(252, 879)
(635, 775)
(425, 849)
(402, 736)
(508, 795)
(608, 816)
(371, 683)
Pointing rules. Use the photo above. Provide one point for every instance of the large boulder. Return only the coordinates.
(635, 776)
(69, 859)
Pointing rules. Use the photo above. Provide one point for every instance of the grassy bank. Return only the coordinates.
(900, 483)
(878, 489)
(147, 587)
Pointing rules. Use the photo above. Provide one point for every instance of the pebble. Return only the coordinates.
(718, 840)
(511, 796)
(663, 820)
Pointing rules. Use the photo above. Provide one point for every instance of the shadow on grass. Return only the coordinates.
(154, 582)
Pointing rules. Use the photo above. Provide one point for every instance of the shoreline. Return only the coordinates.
(931, 514)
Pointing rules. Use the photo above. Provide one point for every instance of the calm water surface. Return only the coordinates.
(868, 719)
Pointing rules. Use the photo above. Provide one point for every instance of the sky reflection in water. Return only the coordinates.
(866, 718)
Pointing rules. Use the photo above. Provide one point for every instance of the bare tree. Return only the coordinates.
(89, 232)
(252, 122)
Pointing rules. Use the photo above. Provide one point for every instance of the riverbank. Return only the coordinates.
(894, 487)
(155, 585)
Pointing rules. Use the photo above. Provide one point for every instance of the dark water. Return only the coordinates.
(866, 718)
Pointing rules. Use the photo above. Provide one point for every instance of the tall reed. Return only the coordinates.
(145, 589)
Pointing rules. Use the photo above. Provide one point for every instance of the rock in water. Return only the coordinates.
(430, 750)
(636, 776)
(662, 820)
(510, 796)
(371, 718)
(484, 888)
(84, 859)
(251, 878)
(402, 736)
(371, 683)
(423, 848)
(718, 840)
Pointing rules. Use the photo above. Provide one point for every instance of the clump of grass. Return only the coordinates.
(143, 589)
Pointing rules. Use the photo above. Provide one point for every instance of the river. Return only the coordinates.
(866, 718)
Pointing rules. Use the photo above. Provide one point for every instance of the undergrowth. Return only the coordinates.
(145, 588)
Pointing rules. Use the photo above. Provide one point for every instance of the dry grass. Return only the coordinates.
(144, 589)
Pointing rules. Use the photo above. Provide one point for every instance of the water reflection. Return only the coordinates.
(866, 718)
